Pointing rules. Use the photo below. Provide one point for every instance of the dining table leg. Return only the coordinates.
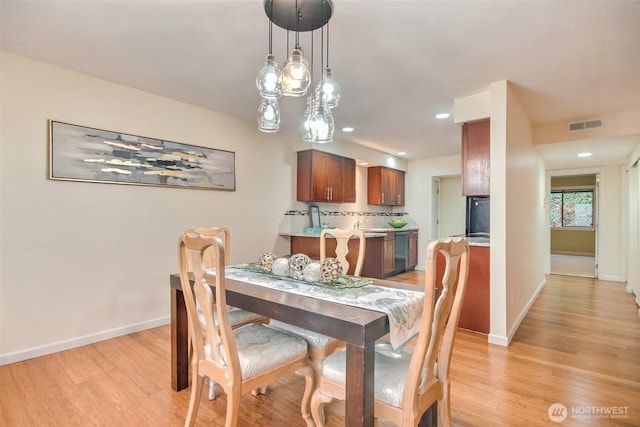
(359, 403)
(179, 342)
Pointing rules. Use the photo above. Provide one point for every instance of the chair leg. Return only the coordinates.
(444, 406)
(212, 389)
(305, 406)
(260, 390)
(194, 401)
(233, 407)
(318, 400)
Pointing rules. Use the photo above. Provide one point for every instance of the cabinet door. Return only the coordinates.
(385, 186)
(321, 164)
(389, 254)
(399, 193)
(475, 158)
(413, 249)
(324, 177)
(334, 179)
(348, 180)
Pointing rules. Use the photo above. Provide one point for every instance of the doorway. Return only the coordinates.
(449, 206)
(574, 225)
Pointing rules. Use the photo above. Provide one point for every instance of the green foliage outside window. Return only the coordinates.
(571, 208)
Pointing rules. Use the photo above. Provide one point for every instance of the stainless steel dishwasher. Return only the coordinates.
(402, 252)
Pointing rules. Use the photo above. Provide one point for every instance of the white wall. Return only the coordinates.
(525, 213)
(452, 206)
(633, 236)
(419, 189)
(80, 262)
(84, 261)
(517, 208)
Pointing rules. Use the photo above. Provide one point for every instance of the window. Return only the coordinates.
(572, 208)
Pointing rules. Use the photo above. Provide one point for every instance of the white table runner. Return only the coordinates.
(403, 307)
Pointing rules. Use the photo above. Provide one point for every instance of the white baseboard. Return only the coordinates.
(498, 340)
(55, 347)
(525, 310)
(506, 340)
(611, 278)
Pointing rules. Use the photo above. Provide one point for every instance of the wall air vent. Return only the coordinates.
(588, 124)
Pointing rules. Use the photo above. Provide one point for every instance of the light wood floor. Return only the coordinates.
(579, 346)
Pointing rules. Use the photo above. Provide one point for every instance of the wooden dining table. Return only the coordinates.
(359, 328)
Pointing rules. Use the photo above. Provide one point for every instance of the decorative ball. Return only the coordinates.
(266, 262)
(297, 263)
(280, 267)
(331, 269)
(312, 272)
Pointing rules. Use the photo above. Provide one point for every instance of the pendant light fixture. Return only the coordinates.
(270, 87)
(327, 85)
(296, 76)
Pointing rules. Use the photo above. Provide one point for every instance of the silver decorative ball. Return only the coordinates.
(297, 263)
(331, 269)
(312, 272)
(266, 262)
(280, 267)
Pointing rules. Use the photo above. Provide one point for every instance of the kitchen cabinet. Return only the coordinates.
(475, 306)
(389, 254)
(475, 158)
(325, 177)
(379, 258)
(413, 250)
(385, 186)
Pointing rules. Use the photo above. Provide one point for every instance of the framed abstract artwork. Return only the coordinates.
(79, 153)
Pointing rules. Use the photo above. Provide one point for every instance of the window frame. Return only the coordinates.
(576, 188)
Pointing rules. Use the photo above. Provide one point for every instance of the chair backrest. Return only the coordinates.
(440, 318)
(214, 231)
(210, 339)
(342, 247)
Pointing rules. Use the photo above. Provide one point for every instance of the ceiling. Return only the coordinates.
(398, 62)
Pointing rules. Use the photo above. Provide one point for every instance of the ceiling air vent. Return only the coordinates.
(588, 124)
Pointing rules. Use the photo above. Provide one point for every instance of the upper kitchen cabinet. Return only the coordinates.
(475, 158)
(325, 177)
(385, 186)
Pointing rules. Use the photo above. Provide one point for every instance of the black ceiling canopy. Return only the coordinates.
(310, 14)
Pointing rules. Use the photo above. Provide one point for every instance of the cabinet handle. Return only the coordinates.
(331, 193)
(383, 197)
(398, 199)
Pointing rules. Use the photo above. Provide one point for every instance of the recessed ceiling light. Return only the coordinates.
(363, 163)
(401, 153)
(584, 155)
(347, 129)
(442, 115)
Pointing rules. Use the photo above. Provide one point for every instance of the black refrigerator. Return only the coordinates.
(477, 216)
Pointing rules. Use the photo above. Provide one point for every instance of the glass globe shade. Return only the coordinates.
(269, 115)
(268, 79)
(295, 75)
(330, 89)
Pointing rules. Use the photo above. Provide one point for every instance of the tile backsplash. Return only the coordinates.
(295, 220)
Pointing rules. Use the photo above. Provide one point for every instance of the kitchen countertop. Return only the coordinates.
(368, 232)
(473, 241)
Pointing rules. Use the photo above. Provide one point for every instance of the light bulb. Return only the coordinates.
(268, 79)
(295, 78)
(330, 89)
(269, 115)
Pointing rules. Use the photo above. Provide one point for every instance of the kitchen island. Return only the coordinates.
(380, 253)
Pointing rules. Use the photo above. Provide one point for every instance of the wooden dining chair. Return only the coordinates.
(241, 359)
(409, 380)
(320, 346)
(237, 316)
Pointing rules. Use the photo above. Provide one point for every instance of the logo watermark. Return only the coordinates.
(558, 412)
